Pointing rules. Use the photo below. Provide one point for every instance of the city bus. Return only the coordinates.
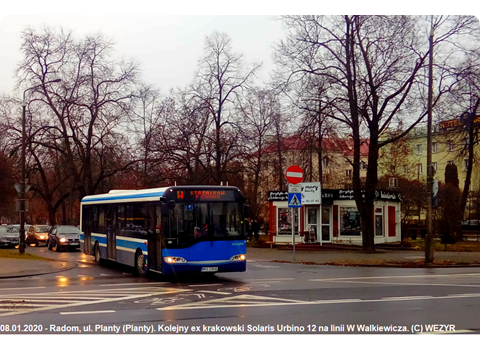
(170, 230)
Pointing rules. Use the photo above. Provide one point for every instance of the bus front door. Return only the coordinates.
(154, 238)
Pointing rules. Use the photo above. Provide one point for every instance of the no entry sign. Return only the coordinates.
(294, 174)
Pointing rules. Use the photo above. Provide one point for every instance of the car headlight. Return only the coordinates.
(174, 259)
(63, 240)
(241, 257)
(42, 237)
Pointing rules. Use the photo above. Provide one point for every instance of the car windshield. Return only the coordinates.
(68, 230)
(42, 229)
(13, 230)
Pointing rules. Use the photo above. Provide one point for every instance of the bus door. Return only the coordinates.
(154, 237)
(110, 222)
(87, 219)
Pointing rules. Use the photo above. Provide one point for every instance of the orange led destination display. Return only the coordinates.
(205, 195)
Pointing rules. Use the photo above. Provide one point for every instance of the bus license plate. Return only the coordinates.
(209, 269)
(74, 243)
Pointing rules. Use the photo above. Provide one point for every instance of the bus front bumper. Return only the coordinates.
(181, 268)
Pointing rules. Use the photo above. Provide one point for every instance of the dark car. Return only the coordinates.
(63, 237)
(37, 234)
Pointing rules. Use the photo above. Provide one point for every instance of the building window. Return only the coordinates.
(419, 149)
(419, 169)
(350, 221)
(393, 182)
(363, 166)
(325, 161)
(465, 164)
(405, 169)
(349, 173)
(434, 147)
(450, 146)
(434, 166)
(450, 162)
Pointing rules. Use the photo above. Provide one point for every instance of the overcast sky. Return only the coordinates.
(166, 47)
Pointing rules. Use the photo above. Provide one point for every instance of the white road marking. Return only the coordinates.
(117, 297)
(395, 277)
(243, 302)
(215, 292)
(25, 288)
(273, 279)
(408, 284)
(199, 285)
(87, 312)
(145, 283)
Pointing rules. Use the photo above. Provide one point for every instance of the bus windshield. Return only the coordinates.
(189, 222)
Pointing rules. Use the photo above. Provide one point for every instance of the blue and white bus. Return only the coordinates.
(170, 230)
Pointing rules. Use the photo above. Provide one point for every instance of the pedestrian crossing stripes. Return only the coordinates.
(24, 303)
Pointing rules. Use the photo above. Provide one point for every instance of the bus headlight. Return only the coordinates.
(174, 259)
(241, 257)
(63, 240)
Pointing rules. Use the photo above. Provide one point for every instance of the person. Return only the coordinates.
(255, 229)
(248, 229)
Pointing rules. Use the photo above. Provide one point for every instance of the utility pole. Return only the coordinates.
(429, 237)
(22, 194)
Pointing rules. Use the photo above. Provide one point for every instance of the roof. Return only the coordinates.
(115, 196)
(300, 143)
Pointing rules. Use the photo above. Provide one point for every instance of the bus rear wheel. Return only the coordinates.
(140, 264)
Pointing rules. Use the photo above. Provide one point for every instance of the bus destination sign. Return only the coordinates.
(204, 195)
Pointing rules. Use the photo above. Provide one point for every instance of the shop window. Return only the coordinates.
(285, 221)
(379, 221)
(350, 221)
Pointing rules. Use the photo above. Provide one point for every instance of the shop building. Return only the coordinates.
(331, 216)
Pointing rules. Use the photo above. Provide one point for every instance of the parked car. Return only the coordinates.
(63, 237)
(10, 235)
(6, 237)
(37, 234)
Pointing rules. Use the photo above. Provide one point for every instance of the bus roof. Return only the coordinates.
(115, 196)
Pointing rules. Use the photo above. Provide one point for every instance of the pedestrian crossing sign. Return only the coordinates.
(295, 200)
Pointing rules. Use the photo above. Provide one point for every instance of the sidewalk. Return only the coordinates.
(397, 258)
(19, 267)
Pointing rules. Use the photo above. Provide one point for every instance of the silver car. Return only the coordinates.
(10, 235)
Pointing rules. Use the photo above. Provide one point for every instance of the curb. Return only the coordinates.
(402, 266)
(43, 272)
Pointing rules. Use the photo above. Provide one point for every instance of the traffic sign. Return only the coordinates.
(295, 200)
(294, 174)
(27, 187)
(294, 188)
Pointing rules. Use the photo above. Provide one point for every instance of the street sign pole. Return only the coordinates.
(294, 176)
(293, 231)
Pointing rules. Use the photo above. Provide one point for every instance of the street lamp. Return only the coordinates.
(22, 180)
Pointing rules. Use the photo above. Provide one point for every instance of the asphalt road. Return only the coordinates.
(268, 298)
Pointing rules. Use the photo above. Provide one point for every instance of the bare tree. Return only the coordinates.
(88, 106)
(376, 67)
(218, 82)
(258, 112)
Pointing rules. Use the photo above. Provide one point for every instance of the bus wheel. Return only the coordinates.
(140, 264)
(98, 258)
